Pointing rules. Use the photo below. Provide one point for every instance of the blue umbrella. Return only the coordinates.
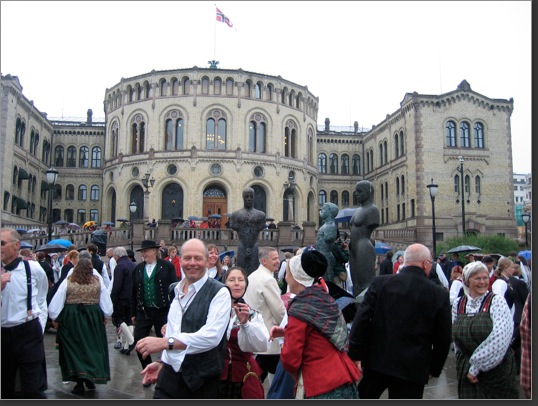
(230, 253)
(25, 244)
(21, 231)
(62, 242)
(193, 218)
(525, 254)
(344, 215)
(215, 216)
(381, 248)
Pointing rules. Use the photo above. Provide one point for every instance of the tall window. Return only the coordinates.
(450, 134)
(322, 163)
(356, 164)
(71, 157)
(94, 193)
(385, 152)
(229, 87)
(345, 164)
(96, 157)
(94, 215)
(477, 185)
(84, 157)
(396, 146)
(248, 88)
(57, 192)
(81, 216)
(334, 197)
(345, 198)
(174, 131)
(258, 90)
(402, 144)
(257, 133)
(82, 191)
(59, 156)
(216, 130)
(69, 192)
(457, 184)
(217, 86)
(465, 137)
(164, 87)
(310, 141)
(467, 184)
(402, 183)
(333, 164)
(479, 135)
(322, 198)
(205, 85)
(397, 186)
(115, 128)
(138, 134)
(290, 139)
(380, 154)
(186, 85)
(174, 84)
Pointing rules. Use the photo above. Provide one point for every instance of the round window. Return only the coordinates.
(258, 171)
(135, 172)
(216, 169)
(172, 169)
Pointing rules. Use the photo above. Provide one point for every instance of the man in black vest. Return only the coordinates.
(149, 300)
(198, 319)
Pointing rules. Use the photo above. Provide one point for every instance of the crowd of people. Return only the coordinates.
(203, 327)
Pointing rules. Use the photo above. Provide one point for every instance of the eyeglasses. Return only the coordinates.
(4, 243)
(430, 261)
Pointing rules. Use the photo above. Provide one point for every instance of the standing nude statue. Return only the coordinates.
(248, 222)
(327, 234)
(361, 250)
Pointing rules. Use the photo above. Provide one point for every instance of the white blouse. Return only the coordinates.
(492, 350)
(253, 335)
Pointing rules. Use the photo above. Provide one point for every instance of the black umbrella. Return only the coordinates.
(178, 219)
(61, 222)
(50, 248)
(344, 299)
(122, 220)
(215, 216)
(289, 248)
(463, 248)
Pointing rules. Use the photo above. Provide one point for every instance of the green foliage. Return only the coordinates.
(490, 244)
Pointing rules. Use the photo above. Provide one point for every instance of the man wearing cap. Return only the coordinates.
(470, 258)
(401, 334)
(150, 300)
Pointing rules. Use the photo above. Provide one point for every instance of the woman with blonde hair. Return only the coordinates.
(214, 266)
(482, 331)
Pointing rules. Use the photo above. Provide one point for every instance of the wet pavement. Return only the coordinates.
(126, 381)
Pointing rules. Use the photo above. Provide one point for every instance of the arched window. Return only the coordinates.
(82, 191)
(146, 90)
(457, 184)
(397, 186)
(94, 193)
(450, 134)
(174, 83)
(269, 92)
(84, 157)
(205, 85)
(380, 154)
(465, 137)
(248, 89)
(322, 163)
(396, 146)
(333, 164)
(229, 87)
(174, 131)
(96, 157)
(385, 152)
(310, 141)
(114, 140)
(138, 134)
(71, 156)
(217, 86)
(334, 197)
(467, 184)
(322, 198)
(70, 192)
(356, 164)
(401, 143)
(216, 130)
(186, 86)
(57, 192)
(18, 126)
(479, 135)
(164, 87)
(402, 183)
(345, 164)
(290, 139)
(32, 136)
(477, 185)
(59, 156)
(258, 90)
(257, 133)
(345, 198)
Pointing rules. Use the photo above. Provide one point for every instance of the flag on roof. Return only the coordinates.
(221, 18)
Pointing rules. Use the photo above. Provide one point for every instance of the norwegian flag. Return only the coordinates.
(221, 18)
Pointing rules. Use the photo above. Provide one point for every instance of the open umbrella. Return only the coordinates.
(527, 254)
(289, 248)
(123, 220)
(88, 224)
(463, 248)
(33, 230)
(21, 231)
(381, 248)
(61, 222)
(344, 300)
(269, 219)
(25, 244)
(230, 253)
(193, 218)
(50, 248)
(178, 219)
(344, 215)
(215, 216)
(61, 241)
(108, 223)
(73, 226)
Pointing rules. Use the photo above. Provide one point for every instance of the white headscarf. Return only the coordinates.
(298, 272)
(469, 270)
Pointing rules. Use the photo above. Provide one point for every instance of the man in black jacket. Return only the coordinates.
(385, 268)
(149, 300)
(401, 333)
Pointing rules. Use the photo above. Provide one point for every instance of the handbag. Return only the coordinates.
(252, 387)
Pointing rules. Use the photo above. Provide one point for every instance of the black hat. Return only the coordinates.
(487, 259)
(148, 244)
(313, 262)
(130, 253)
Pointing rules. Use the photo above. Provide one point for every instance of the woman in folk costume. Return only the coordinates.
(315, 340)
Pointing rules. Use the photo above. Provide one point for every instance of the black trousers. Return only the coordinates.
(145, 320)
(373, 384)
(171, 385)
(23, 354)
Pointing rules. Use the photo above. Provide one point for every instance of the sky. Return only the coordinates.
(359, 57)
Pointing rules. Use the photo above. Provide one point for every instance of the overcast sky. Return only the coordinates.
(359, 58)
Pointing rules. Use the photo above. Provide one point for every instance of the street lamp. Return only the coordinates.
(52, 177)
(147, 182)
(433, 188)
(526, 217)
(462, 197)
(132, 207)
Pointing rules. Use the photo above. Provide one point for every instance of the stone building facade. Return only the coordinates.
(203, 135)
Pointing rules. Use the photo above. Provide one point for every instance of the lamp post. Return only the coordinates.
(462, 197)
(289, 186)
(132, 208)
(147, 182)
(433, 188)
(52, 177)
(526, 217)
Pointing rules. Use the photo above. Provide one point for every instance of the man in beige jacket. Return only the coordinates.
(263, 295)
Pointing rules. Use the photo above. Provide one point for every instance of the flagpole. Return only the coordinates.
(215, 36)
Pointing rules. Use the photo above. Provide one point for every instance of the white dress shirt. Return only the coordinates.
(14, 295)
(209, 334)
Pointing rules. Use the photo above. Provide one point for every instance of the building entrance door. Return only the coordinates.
(215, 205)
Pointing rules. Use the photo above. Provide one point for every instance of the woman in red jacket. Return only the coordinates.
(315, 339)
(174, 259)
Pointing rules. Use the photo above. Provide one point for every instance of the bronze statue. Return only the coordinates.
(364, 221)
(326, 237)
(248, 222)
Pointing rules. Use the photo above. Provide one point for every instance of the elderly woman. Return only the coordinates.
(482, 330)
(315, 338)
